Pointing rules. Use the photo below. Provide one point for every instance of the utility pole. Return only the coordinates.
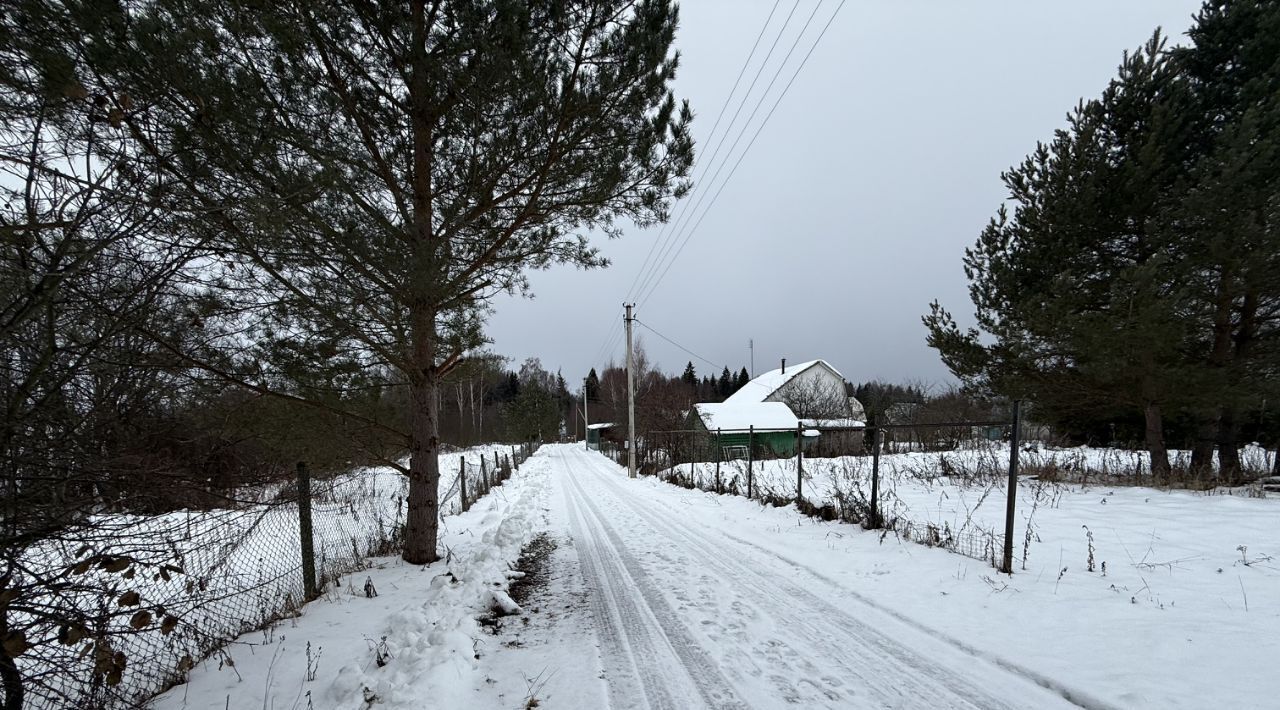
(751, 345)
(586, 420)
(631, 399)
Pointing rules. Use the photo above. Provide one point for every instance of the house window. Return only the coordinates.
(734, 452)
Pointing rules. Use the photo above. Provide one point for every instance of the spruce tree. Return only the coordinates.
(690, 377)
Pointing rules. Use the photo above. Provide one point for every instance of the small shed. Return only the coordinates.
(768, 426)
(595, 431)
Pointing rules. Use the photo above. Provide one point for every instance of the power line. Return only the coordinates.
(719, 116)
(666, 228)
(674, 237)
(756, 135)
(678, 345)
(607, 344)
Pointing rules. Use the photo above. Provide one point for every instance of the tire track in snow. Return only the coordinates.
(887, 671)
(619, 626)
(1071, 695)
(640, 635)
(891, 671)
(707, 678)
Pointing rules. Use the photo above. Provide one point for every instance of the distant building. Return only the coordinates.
(813, 395)
(595, 431)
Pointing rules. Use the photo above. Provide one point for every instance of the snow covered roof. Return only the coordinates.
(764, 416)
(761, 387)
(601, 425)
(835, 423)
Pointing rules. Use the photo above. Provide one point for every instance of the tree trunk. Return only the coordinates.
(9, 675)
(462, 419)
(422, 520)
(1219, 358)
(1228, 445)
(1229, 423)
(1160, 469)
(1202, 448)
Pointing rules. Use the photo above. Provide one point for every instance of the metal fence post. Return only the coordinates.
(751, 445)
(799, 466)
(484, 476)
(462, 483)
(496, 467)
(719, 454)
(306, 541)
(875, 478)
(1007, 562)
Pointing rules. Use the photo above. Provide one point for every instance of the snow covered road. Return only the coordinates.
(688, 614)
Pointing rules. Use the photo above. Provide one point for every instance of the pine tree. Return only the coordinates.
(1075, 286)
(743, 378)
(1229, 214)
(378, 172)
(1139, 270)
(592, 386)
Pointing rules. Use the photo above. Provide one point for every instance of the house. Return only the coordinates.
(809, 397)
(813, 390)
(768, 426)
(815, 393)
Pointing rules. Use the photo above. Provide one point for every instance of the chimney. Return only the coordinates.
(784, 366)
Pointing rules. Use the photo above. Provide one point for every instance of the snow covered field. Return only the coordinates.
(957, 499)
(660, 596)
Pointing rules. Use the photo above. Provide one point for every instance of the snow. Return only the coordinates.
(834, 423)
(242, 564)
(1190, 583)
(739, 416)
(657, 596)
(602, 425)
(502, 603)
(688, 615)
(760, 387)
(418, 638)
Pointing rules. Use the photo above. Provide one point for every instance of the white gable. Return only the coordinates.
(762, 387)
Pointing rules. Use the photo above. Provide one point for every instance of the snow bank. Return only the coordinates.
(416, 640)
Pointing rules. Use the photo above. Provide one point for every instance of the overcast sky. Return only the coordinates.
(852, 210)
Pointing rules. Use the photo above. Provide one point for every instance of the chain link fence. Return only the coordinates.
(204, 578)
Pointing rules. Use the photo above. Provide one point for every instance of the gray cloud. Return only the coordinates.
(852, 210)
